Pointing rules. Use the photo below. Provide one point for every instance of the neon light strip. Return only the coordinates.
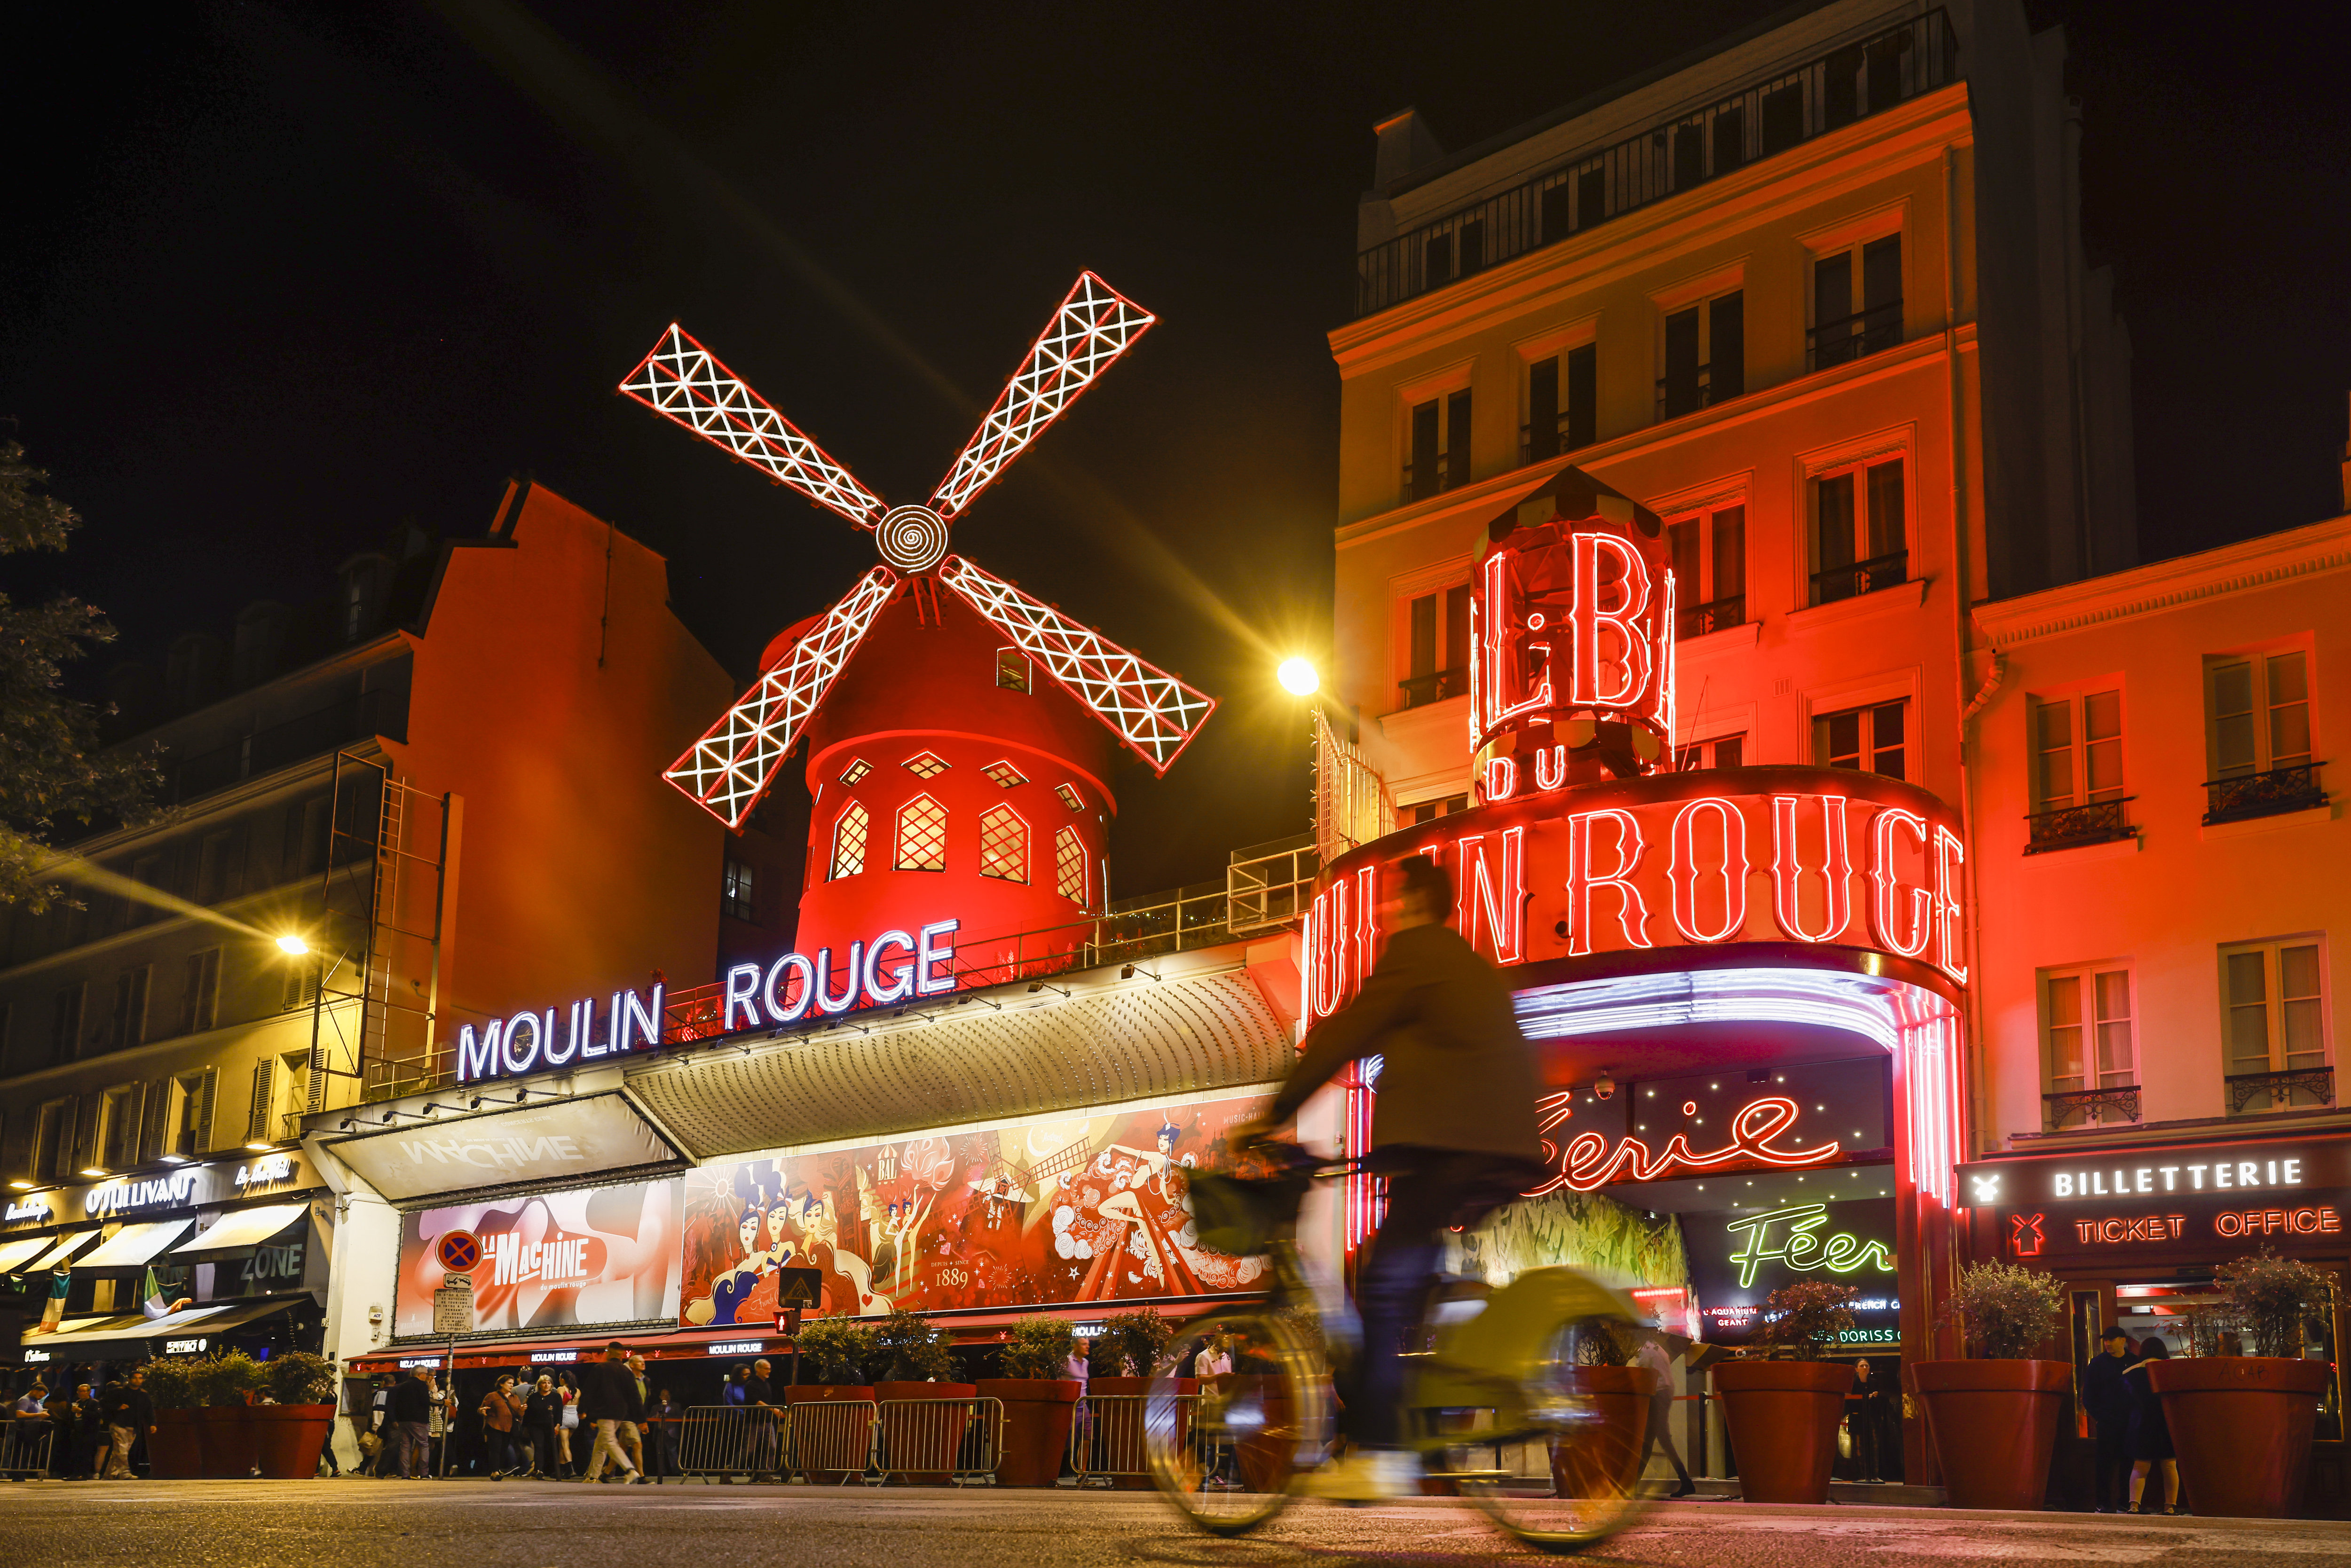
(685, 381)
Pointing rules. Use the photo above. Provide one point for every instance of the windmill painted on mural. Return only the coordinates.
(960, 741)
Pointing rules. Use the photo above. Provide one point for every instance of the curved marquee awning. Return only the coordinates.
(1107, 1041)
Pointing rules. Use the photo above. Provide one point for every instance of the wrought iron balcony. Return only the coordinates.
(1863, 332)
(1879, 572)
(1700, 388)
(1897, 63)
(2270, 794)
(1450, 472)
(1714, 615)
(2090, 1107)
(1422, 690)
(2315, 1084)
(2070, 827)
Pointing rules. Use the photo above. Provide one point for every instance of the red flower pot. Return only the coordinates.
(175, 1449)
(1606, 1459)
(920, 1442)
(1783, 1418)
(286, 1438)
(1118, 1448)
(228, 1439)
(1993, 1425)
(1037, 1416)
(830, 1445)
(2241, 1424)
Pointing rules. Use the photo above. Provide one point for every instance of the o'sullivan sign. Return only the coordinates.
(1800, 857)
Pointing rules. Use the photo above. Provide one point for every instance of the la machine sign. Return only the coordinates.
(893, 968)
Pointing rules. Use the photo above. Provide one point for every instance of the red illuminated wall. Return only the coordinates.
(553, 684)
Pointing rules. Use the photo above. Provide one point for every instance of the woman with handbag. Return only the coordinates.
(501, 1413)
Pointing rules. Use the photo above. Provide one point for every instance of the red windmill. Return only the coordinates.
(949, 782)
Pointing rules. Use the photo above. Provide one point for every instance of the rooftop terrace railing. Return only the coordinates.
(1894, 63)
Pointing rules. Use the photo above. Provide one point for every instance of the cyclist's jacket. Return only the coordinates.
(1457, 1073)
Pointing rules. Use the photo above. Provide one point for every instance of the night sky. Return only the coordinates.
(276, 280)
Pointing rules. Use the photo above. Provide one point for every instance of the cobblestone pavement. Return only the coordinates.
(419, 1524)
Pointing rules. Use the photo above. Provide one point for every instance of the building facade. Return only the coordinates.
(391, 777)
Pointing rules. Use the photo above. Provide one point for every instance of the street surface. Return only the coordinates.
(480, 1524)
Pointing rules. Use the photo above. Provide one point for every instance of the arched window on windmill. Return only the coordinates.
(922, 835)
(1003, 844)
(849, 833)
(1069, 866)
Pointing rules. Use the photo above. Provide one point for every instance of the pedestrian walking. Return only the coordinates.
(635, 1442)
(502, 1415)
(1865, 1409)
(608, 1396)
(1661, 1415)
(62, 1416)
(541, 1413)
(766, 1425)
(566, 1389)
(409, 1412)
(2107, 1403)
(2150, 1435)
(90, 1443)
(660, 1429)
(129, 1414)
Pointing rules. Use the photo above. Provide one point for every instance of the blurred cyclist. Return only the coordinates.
(1454, 1130)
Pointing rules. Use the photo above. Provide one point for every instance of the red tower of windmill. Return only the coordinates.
(959, 742)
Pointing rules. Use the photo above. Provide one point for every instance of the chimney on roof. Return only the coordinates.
(1407, 147)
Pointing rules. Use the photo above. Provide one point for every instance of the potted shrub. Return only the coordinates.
(175, 1449)
(1607, 1462)
(1039, 1400)
(1994, 1420)
(911, 1362)
(2242, 1423)
(1783, 1411)
(296, 1413)
(228, 1382)
(1121, 1360)
(834, 1354)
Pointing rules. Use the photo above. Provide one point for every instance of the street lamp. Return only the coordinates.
(292, 945)
(1298, 677)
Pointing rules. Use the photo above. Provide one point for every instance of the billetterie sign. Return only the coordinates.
(893, 968)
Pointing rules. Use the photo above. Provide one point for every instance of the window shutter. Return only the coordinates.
(86, 1108)
(151, 1120)
(256, 1128)
(205, 1111)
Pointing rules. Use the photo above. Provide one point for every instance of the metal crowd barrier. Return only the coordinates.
(831, 1441)
(25, 1449)
(1108, 1444)
(952, 1442)
(721, 1441)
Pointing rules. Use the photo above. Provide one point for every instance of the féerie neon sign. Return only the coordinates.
(1791, 1237)
(1586, 1162)
(895, 966)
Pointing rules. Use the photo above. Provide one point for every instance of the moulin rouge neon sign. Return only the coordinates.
(895, 966)
(1805, 855)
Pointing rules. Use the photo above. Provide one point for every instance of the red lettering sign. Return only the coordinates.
(1585, 1160)
(2278, 1221)
(2115, 1230)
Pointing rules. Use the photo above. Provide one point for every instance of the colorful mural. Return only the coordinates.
(1087, 1209)
(1587, 1231)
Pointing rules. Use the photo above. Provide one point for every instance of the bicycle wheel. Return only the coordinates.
(1225, 1449)
(1570, 1479)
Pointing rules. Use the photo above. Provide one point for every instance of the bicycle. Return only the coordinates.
(1495, 1405)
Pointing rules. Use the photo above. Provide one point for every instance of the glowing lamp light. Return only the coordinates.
(1298, 677)
(292, 945)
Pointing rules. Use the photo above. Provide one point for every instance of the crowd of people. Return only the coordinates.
(551, 1426)
(80, 1432)
(2133, 1439)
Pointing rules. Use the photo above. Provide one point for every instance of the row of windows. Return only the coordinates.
(130, 1124)
(2272, 1031)
(921, 845)
(1854, 308)
(1872, 739)
(1857, 543)
(85, 1020)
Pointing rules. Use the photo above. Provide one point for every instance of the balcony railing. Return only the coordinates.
(2280, 1090)
(1419, 691)
(1879, 572)
(2070, 827)
(1714, 615)
(1863, 332)
(2270, 794)
(1450, 471)
(1701, 388)
(2090, 1107)
(1896, 63)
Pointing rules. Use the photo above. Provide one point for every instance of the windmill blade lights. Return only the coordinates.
(685, 381)
(1093, 326)
(731, 767)
(1152, 712)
